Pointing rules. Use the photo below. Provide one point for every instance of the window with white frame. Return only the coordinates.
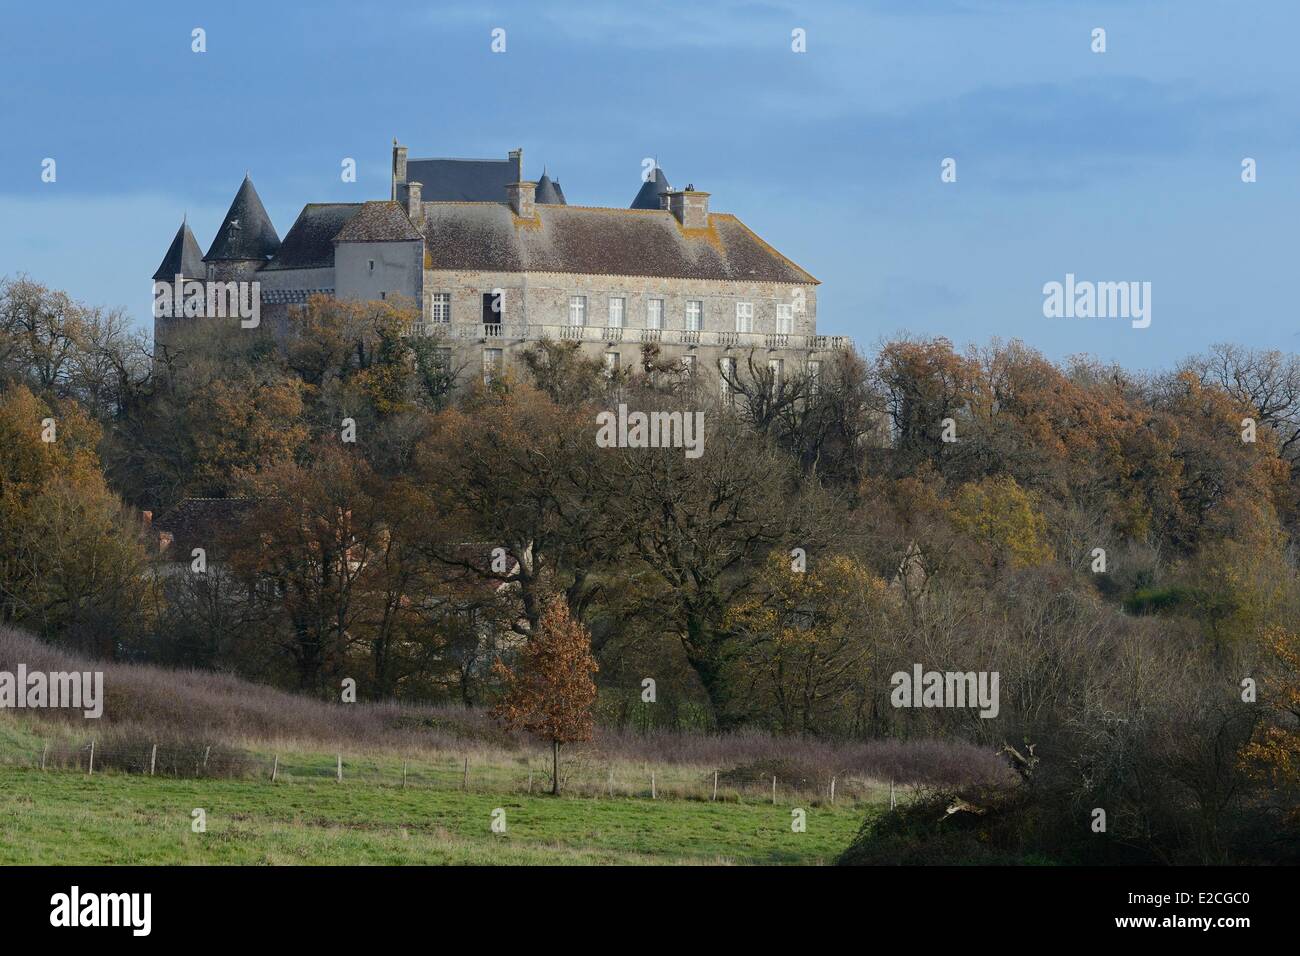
(617, 306)
(440, 307)
(688, 363)
(726, 375)
(814, 375)
(784, 318)
(611, 364)
(654, 314)
(491, 365)
(744, 317)
(694, 312)
(577, 310)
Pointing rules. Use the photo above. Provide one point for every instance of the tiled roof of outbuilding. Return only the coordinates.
(379, 221)
(201, 523)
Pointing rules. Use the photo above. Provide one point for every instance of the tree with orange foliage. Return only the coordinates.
(551, 692)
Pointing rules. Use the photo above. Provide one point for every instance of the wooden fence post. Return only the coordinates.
(530, 780)
(92, 758)
(205, 758)
(275, 768)
(340, 756)
(891, 795)
(715, 785)
(464, 783)
(773, 789)
(45, 750)
(611, 784)
(153, 759)
(653, 795)
(832, 790)
(404, 763)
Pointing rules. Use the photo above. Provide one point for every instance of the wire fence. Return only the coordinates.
(581, 773)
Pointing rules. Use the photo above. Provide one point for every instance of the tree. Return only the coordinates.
(551, 692)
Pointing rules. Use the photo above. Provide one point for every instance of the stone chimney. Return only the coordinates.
(689, 207)
(523, 199)
(414, 208)
(516, 156)
(399, 168)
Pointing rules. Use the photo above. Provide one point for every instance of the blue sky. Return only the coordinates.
(1116, 166)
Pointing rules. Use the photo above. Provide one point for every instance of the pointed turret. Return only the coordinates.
(654, 187)
(246, 234)
(184, 257)
(548, 191)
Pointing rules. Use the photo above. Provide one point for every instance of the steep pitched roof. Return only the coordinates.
(201, 523)
(548, 192)
(184, 257)
(309, 243)
(463, 180)
(246, 232)
(598, 241)
(647, 196)
(379, 221)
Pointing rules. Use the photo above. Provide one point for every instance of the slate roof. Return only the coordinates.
(184, 257)
(379, 221)
(246, 232)
(463, 180)
(648, 195)
(310, 242)
(599, 241)
(548, 192)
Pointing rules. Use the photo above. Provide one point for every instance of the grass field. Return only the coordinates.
(65, 817)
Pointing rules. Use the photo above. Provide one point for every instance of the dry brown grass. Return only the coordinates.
(143, 702)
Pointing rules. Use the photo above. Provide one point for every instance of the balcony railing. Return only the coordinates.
(521, 332)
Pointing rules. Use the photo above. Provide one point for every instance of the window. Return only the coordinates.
(694, 310)
(814, 375)
(616, 308)
(491, 365)
(784, 318)
(744, 317)
(654, 314)
(440, 307)
(577, 310)
(688, 363)
(726, 375)
(611, 364)
(372, 265)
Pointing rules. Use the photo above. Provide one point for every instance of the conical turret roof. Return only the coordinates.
(246, 232)
(184, 257)
(651, 189)
(548, 192)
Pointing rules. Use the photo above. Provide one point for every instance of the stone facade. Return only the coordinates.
(510, 266)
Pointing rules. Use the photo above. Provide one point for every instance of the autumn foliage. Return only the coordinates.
(550, 691)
